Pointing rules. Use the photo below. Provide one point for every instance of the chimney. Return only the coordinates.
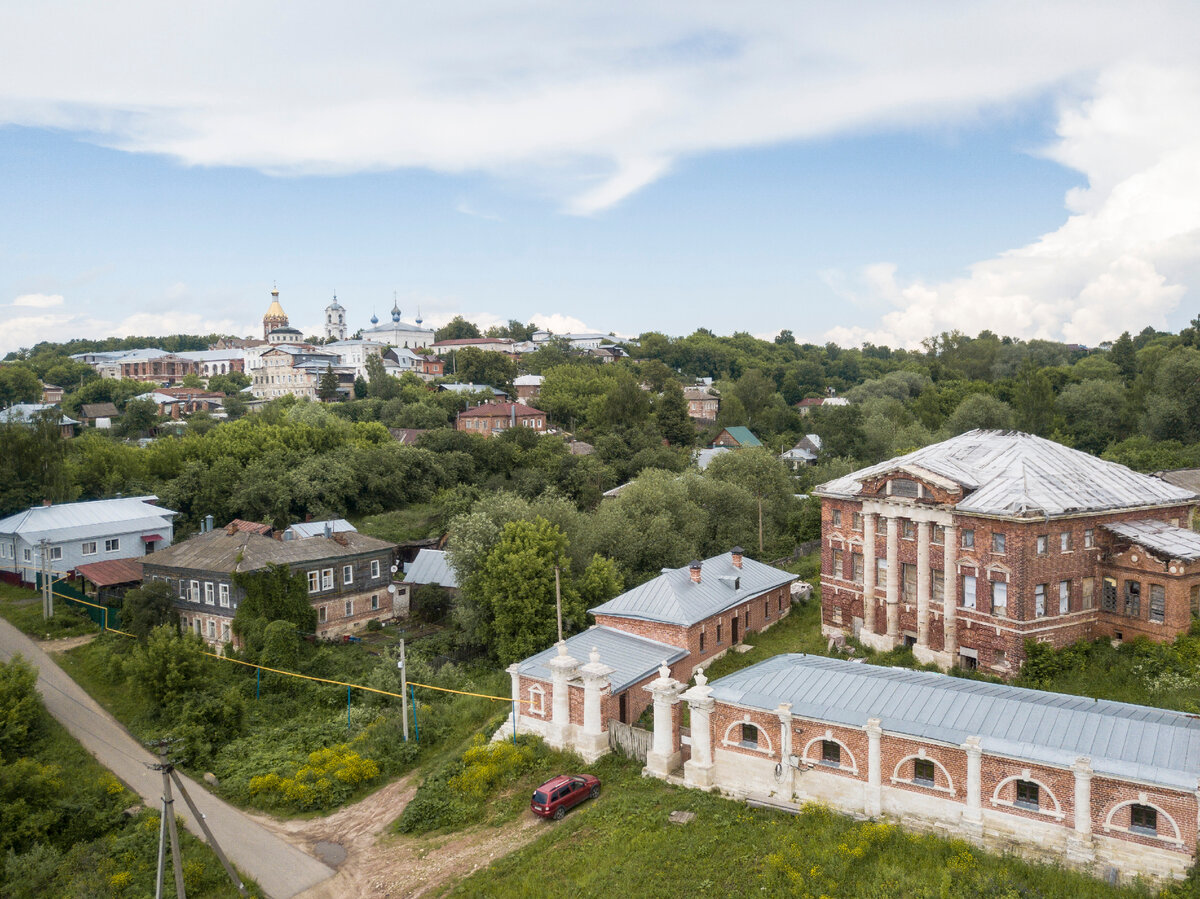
(512, 415)
(208, 523)
(694, 570)
(47, 502)
(736, 552)
(231, 529)
(328, 530)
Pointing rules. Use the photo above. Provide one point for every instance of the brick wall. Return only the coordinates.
(1056, 790)
(1108, 796)
(949, 769)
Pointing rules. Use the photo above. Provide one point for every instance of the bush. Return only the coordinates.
(328, 779)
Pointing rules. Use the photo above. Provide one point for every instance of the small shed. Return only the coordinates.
(107, 582)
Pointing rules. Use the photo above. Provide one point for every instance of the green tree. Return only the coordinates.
(360, 388)
(979, 410)
(235, 405)
(274, 593)
(138, 418)
(1094, 413)
(1124, 356)
(476, 366)
(458, 328)
(166, 668)
(192, 380)
(229, 384)
(327, 387)
(281, 646)
(148, 607)
(765, 477)
(1033, 401)
(671, 413)
(35, 456)
(18, 384)
(20, 707)
(600, 581)
(379, 382)
(1173, 403)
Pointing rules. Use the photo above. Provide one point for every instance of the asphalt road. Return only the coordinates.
(281, 869)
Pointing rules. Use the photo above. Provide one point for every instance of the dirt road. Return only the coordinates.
(382, 865)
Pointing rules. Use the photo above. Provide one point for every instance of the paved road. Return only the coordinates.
(281, 869)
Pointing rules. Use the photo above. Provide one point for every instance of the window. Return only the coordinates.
(749, 736)
(1039, 601)
(314, 581)
(27, 555)
(183, 590)
(702, 641)
(55, 553)
(112, 545)
(374, 602)
(212, 629)
(1064, 542)
(838, 570)
(908, 530)
(836, 515)
(1089, 538)
(904, 487)
(327, 579)
(880, 571)
(1133, 599)
(1108, 599)
(923, 772)
(374, 568)
(347, 574)
(968, 591)
(998, 658)
(968, 662)
(1089, 591)
(223, 595)
(1027, 795)
(224, 633)
(89, 548)
(718, 633)
(938, 536)
(1041, 544)
(766, 608)
(194, 593)
(968, 538)
(856, 567)
(349, 608)
(1064, 597)
(997, 543)
(1000, 599)
(939, 586)
(208, 593)
(322, 614)
(1143, 819)
(856, 521)
(831, 753)
(908, 582)
(1158, 603)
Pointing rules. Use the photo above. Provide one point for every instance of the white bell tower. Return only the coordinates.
(335, 321)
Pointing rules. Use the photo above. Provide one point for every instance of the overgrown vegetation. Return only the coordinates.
(22, 608)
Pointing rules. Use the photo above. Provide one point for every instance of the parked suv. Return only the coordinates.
(555, 796)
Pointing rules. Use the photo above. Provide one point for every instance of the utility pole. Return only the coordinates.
(558, 601)
(167, 825)
(403, 689)
(208, 835)
(47, 590)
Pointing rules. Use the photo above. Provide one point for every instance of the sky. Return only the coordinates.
(850, 172)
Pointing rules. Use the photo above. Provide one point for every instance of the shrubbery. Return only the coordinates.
(328, 779)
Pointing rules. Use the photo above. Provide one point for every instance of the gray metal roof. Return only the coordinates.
(431, 566)
(245, 551)
(23, 413)
(317, 528)
(1159, 537)
(633, 658)
(70, 521)
(1123, 740)
(674, 598)
(1015, 474)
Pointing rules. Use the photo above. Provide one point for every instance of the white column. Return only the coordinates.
(893, 579)
(973, 813)
(923, 583)
(785, 732)
(1080, 847)
(515, 714)
(562, 669)
(869, 568)
(663, 757)
(873, 803)
(950, 595)
(593, 741)
(697, 771)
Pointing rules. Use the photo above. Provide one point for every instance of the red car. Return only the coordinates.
(555, 796)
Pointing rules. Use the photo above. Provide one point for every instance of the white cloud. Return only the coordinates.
(1122, 258)
(559, 323)
(39, 300)
(589, 100)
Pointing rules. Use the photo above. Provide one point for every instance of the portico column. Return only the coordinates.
(950, 594)
(873, 803)
(562, 669)
(923, 583)
(1083, 797)
(973, 814)
(663, 757)
(869, 569)
(593, 742)
(893, 579)
(697, 771)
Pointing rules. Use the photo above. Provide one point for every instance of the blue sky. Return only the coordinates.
(847, 181)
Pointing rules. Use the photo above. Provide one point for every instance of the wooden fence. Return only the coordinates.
(632, 742)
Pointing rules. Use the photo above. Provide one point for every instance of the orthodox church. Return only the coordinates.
(398, 333)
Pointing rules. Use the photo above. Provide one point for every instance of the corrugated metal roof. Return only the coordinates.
(431, 566)
(1015, 474)
(112, 571)
(244, 551)
(528, 381)
(674, 598)
(743, 436)
(64, 521)
(24, 413)
(633, 658)
(1159, 537)
(317, 528)
(1123, 740)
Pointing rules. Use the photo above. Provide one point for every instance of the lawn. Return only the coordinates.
(624, 844)
(22, 608)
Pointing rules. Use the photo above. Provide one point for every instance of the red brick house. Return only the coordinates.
(702, 403)
(967, 548)
(491, 418)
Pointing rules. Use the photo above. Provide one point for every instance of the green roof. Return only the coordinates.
(743, 436)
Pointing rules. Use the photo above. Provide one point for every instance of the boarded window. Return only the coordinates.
(856, 521)
(908, 582)
(1158, 603)
(1041, 544)
(908, 530)
(939, 586)
(968, 538)
(1133, 599)
(1089, 538)
(1064, 541)
(904, 487)
(856, 567)
(838, 570)
(938, 535)
(998, 543)
(836, 516)
(1108, 599)
(880, 572)
(1089, 592)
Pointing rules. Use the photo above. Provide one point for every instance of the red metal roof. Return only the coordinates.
(492, 410)
(112, 571)
(251, 527)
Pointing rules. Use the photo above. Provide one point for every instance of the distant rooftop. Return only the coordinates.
(431, 566)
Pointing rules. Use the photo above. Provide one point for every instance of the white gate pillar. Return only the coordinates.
(664, 755)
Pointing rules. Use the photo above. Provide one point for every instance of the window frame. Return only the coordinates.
(835, 517)
(347, 574)
(972, 581)
(966, 538)
(924, 780)
(55, 553)
(314, 581)
(753, 731)
(1039, 600)
(999, 542)
(326, 578)
(1064, 597)
(349, 608)
(1031, 800)
(1158, 603)
(83, 548)
(1148, 826)
(1041, 544)
(999, 589)
(375, 568)
(209, 594)
(1064, 542)
(831, 753)
(112, 544)
(223, 595)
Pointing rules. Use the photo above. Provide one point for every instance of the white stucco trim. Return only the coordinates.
(1109, 827)
(537, 700)
(852, 768)
(762, 732)
(897, 779)
(1056, 812)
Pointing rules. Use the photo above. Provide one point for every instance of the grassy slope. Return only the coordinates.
(23, 609)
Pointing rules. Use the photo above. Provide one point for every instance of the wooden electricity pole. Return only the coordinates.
(558, 601)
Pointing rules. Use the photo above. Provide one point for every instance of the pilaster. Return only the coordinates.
(873, 791)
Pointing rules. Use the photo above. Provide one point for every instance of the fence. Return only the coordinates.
(803, 549)
(632, 742)
(107, 617)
